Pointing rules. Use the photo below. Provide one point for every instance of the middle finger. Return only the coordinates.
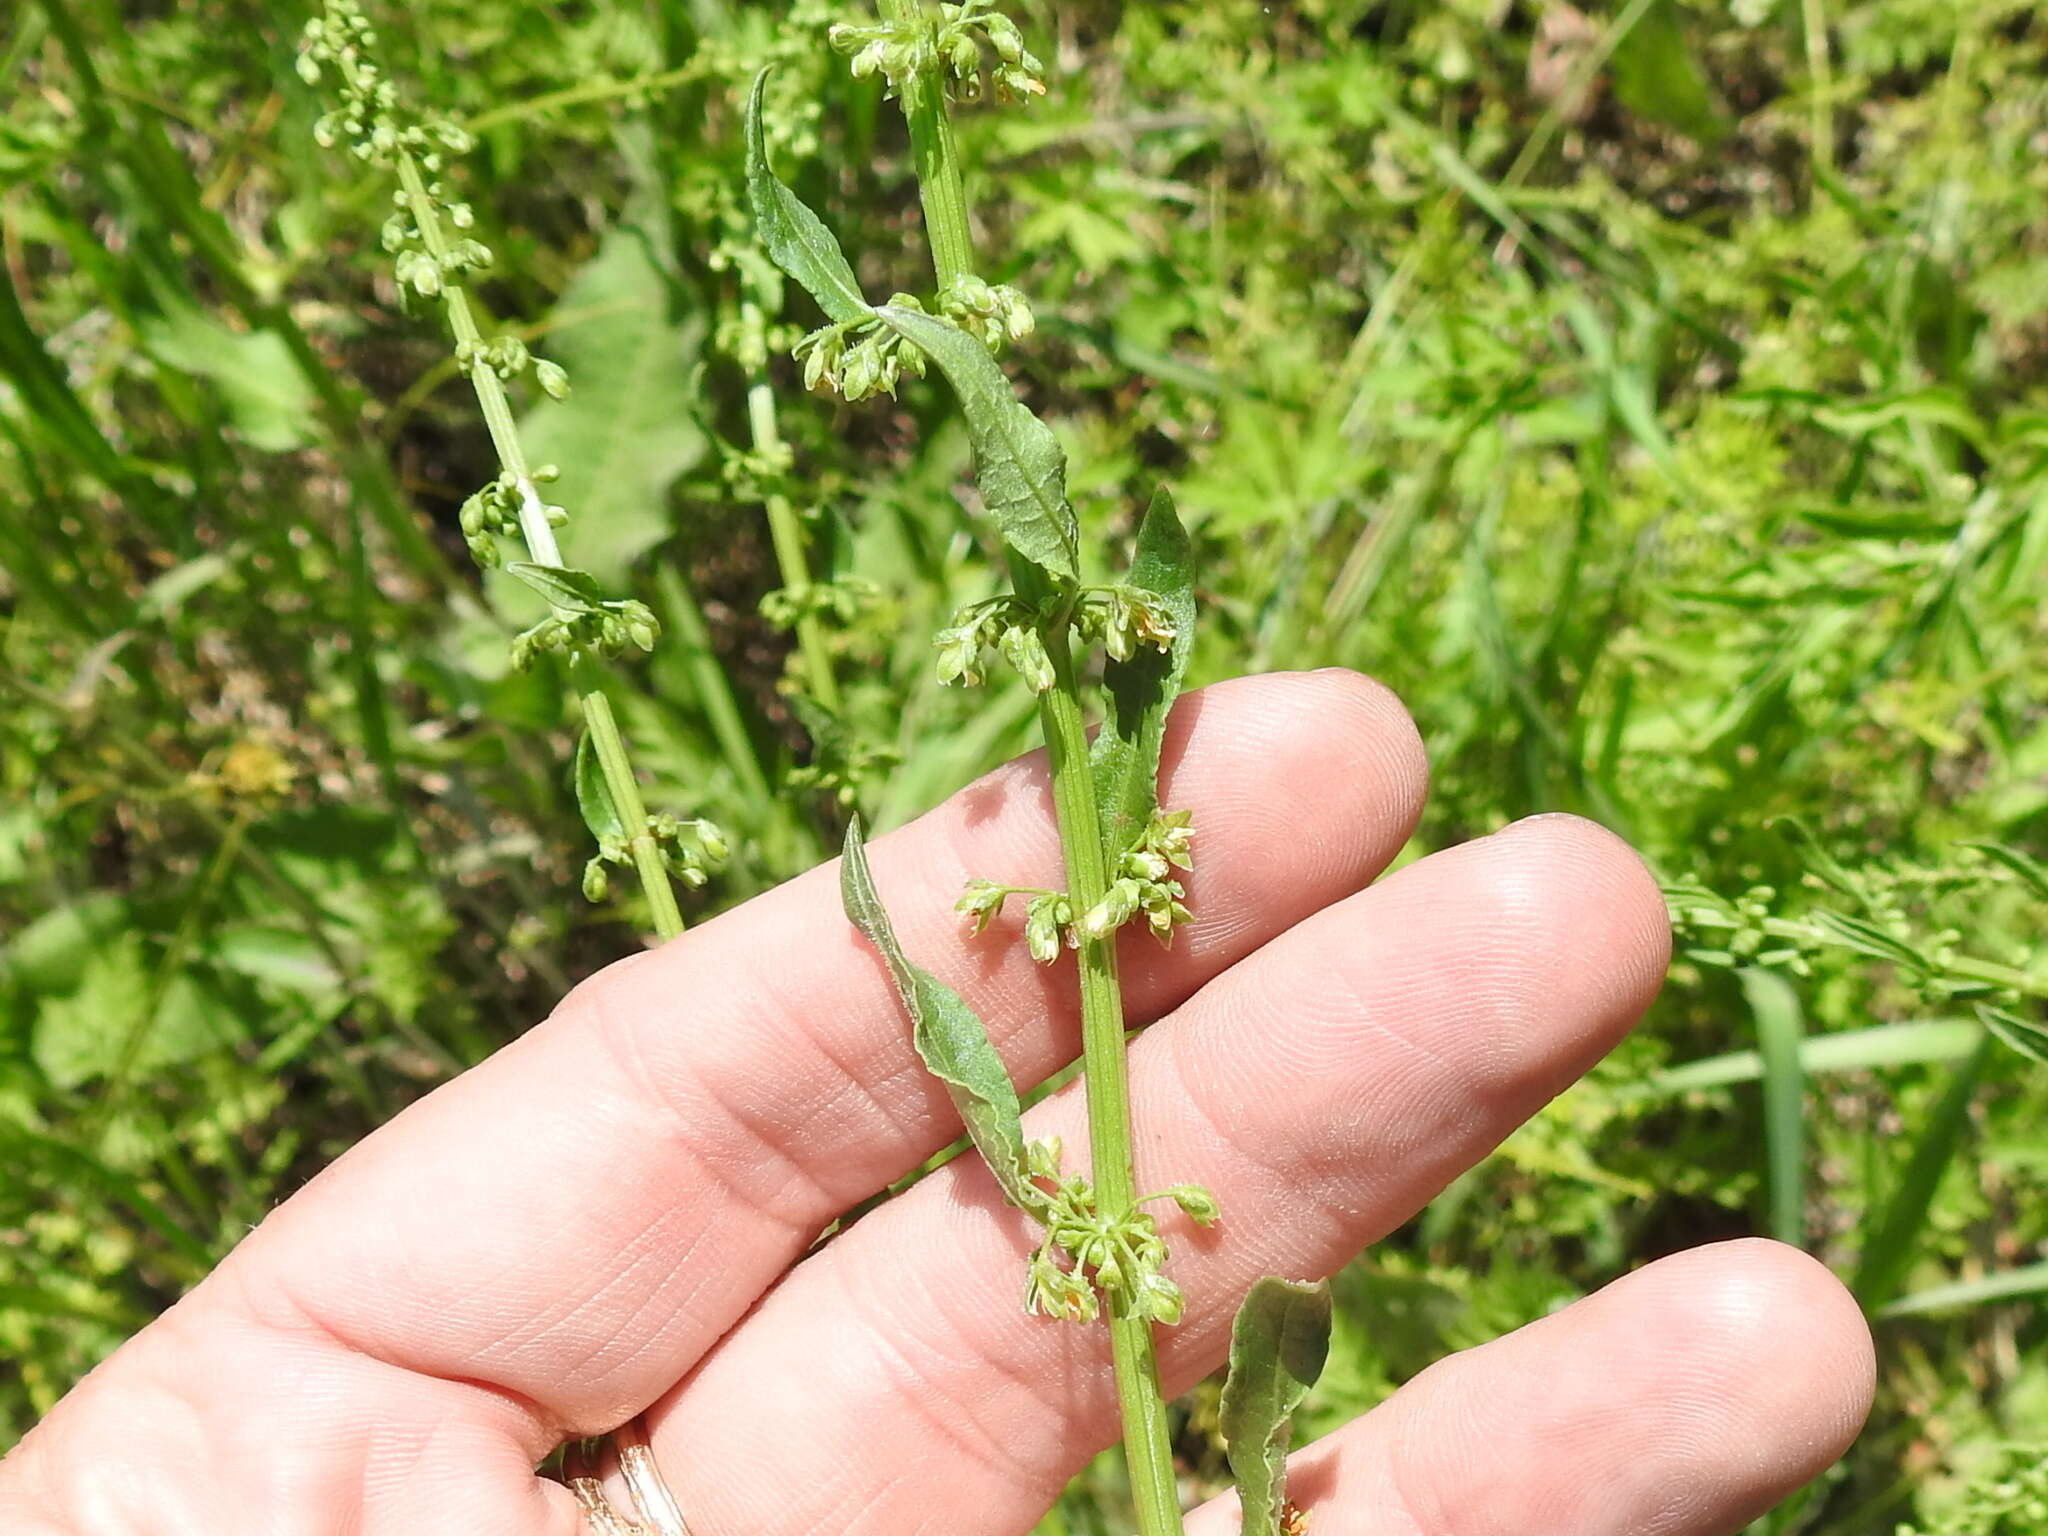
(1323, 1089)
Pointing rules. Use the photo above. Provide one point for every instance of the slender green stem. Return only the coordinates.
(786, 531)
(539, 537)
(625, 793)
(682, 621)
(1147, 1450)
(939, 183)
(1820, 83)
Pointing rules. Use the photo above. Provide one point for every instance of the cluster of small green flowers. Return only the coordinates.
(493, 513)
(369, 116)
(372, 119)
(1122, 618)
(580, 617)
(842, 771)
(1145, 882)
(1119, 618)
(608, 631)
(993, 313)
(507, 357)
(1048, 916)
(1006, 624)
(691, 849)
(1732, 932)
(857, 359)
(860, 358)
(844, 600)
(1089, 1256)
(1751, 929)
(953, 41)
(2011, 1501)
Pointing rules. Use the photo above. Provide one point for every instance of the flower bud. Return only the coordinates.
(1197, 1202)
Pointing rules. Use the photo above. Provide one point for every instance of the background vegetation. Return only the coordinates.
(1657, 397)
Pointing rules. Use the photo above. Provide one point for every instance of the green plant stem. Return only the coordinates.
(682, 621)
(1819, 82)
(785, 529)
(541, 547)
(1148, 1453)
(625, 793)
(939, 183)
(1147, 1450)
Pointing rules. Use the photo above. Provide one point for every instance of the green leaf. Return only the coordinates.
(1277, 1347)
(1018, 463)
(2029, 1039)
(261, 390)
(1999, 1285)
(952, 1040)
(2030, 869)
(115, 1022)
(1891, 1245)
(571, 591)
(1780, 1026)
(1867, 938)
(631, 429)
(1142, 690)
(796, 237)
(1657, 77)
(594, 796)
(1855, 1050)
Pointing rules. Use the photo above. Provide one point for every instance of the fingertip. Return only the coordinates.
(1576, 890)
(1318, 778)
(1766, 1321)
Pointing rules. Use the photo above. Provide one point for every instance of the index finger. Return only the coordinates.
(576, 1221)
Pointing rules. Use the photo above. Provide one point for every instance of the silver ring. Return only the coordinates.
(656, 1512)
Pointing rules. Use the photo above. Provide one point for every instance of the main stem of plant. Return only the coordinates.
(541, 548)
(785, 529)
(1147, 1449)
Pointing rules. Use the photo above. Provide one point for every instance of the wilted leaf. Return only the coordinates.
(1277, 1348)
(948, 1035)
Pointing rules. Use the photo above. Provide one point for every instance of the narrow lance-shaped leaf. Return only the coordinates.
(1142, 689)
(1017, 461)
(594, 796)
(572, 591)
(1277, 1347)
(796, 237)
(2030, 869)
(2029, 1039)
(949, 1037)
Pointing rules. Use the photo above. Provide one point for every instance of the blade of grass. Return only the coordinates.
(1890, 1249)
(1882, 1045)
(1780, 1025)
(2001, 1285)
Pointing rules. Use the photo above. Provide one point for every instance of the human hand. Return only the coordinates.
(605, 1215)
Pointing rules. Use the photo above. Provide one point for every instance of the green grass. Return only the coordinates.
(1663, 411)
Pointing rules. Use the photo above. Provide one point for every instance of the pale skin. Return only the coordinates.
(603, 1218)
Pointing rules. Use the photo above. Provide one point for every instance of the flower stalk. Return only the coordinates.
(433, 263)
